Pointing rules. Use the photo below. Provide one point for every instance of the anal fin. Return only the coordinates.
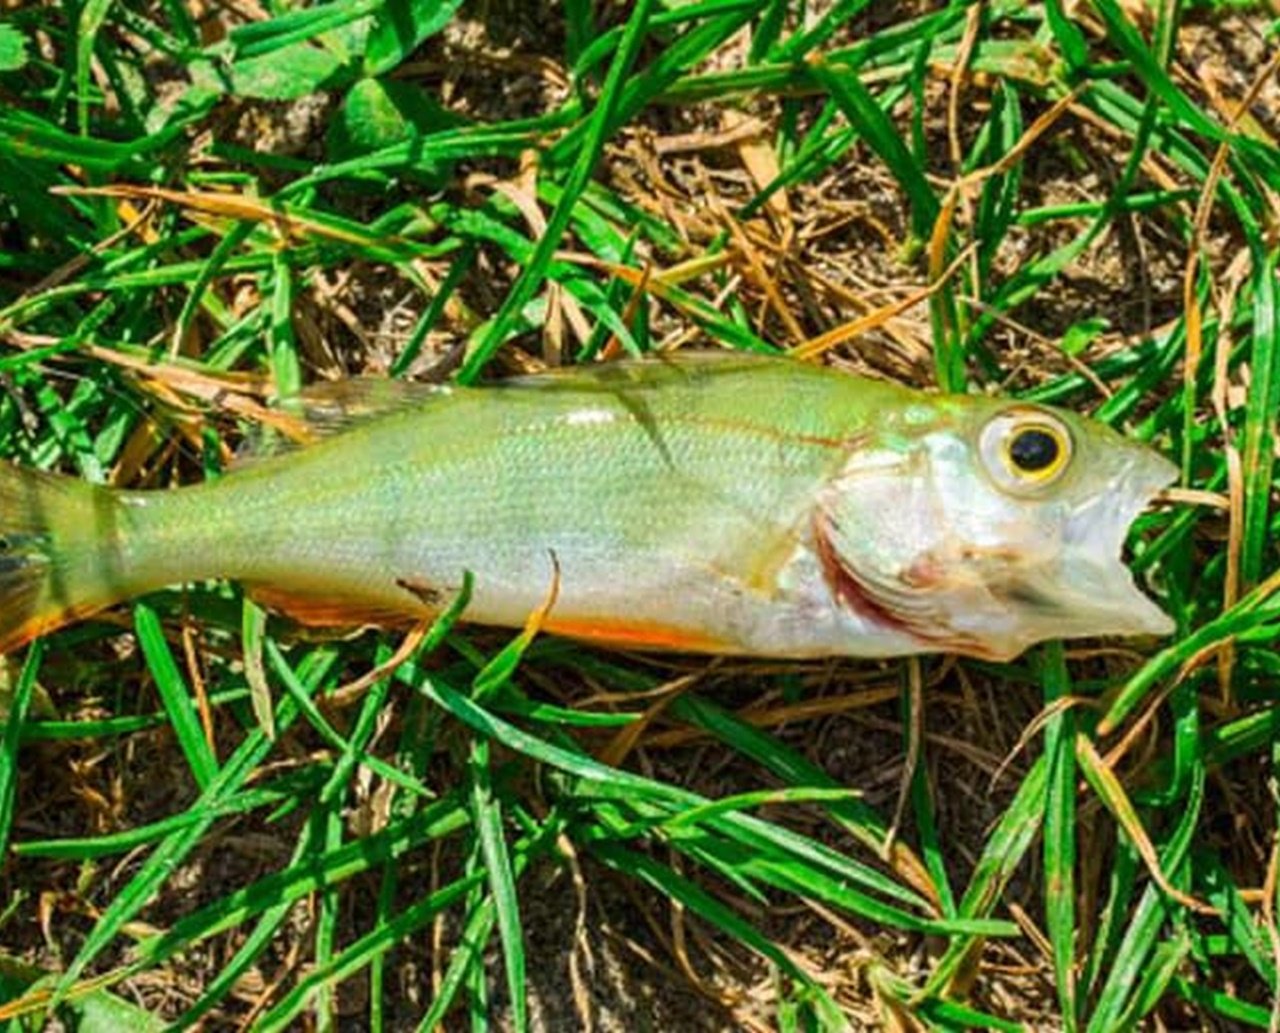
(634, 634)
(335, 610)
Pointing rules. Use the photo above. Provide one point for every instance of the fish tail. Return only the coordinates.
(59, 559)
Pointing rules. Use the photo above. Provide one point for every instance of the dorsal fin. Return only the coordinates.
(649, 373)
(331, 406)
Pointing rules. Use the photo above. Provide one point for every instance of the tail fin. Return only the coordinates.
(55, 563)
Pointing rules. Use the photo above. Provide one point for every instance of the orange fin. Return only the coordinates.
(621, 633)
(334, 611)
(12, 638)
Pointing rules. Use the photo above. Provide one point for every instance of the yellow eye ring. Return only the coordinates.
(1026, 449)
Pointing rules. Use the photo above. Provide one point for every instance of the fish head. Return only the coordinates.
(982, 527)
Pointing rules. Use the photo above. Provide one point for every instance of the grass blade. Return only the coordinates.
(598, 128)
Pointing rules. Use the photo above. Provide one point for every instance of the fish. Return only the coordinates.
(711, 502)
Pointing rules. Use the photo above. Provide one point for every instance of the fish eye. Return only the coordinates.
(1026, 449)
(1034, 450)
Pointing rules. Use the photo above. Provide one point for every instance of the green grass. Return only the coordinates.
(137, 339)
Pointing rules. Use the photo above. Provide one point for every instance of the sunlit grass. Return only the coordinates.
(168, 271)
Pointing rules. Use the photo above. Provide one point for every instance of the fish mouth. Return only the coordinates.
(1090, 590)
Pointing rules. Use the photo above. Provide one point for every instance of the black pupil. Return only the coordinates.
(1033, 450)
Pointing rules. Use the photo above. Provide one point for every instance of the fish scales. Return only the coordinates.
(628, 491)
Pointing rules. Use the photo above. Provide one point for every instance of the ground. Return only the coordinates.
(627, 921)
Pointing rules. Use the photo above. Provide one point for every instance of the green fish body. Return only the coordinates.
(718, 503)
